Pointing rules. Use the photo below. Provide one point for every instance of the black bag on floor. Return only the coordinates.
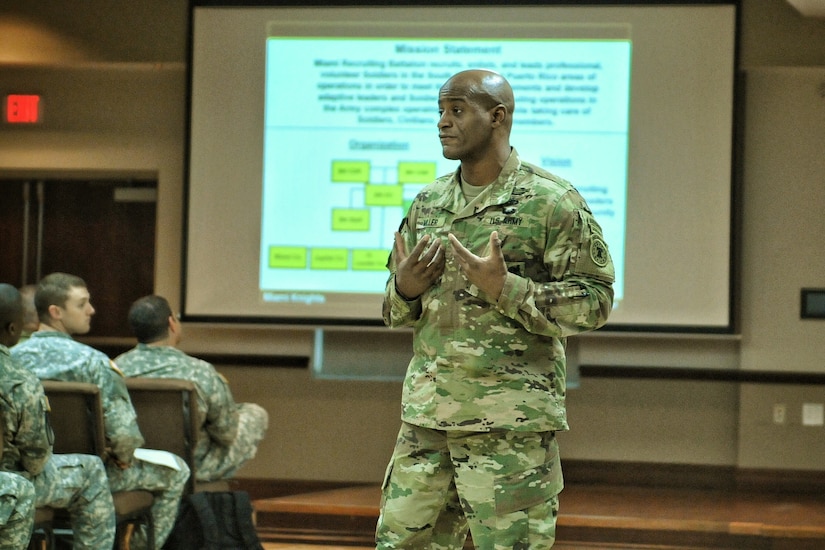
(214, 521)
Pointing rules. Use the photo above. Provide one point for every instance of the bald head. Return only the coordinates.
(482, 87)
(11, 315)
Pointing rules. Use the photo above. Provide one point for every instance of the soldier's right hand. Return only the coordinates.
(419, 269)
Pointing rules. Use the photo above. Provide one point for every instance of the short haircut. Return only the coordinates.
(30, 317)
(149, 318)
(11, 304)
(53, 290)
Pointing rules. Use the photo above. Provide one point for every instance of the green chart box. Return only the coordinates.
(416, 172)
(328, 258)
(287, 257)
(384, 195)
(370, 259)
(350, 219)
(350, 170)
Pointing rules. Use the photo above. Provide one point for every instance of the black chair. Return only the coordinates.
(77, 421)
(167, 413)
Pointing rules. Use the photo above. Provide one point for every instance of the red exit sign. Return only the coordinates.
(22, 109)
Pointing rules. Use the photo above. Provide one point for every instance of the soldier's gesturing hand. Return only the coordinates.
(489, 272)
(420, 269)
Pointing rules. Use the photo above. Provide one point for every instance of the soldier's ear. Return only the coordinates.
(174, 325)
(499, 114)
(55, 311)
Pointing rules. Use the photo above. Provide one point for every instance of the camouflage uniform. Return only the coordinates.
(229, 431)
(75, 482)
(16, 511)
(53, 355)
(484, 392)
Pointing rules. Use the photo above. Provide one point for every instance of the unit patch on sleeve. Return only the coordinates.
(598, 252)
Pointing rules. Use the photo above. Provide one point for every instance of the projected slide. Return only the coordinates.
(350, 138)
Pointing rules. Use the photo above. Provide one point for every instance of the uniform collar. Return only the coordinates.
(497, 192)
(50, 334)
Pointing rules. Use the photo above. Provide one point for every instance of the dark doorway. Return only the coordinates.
(100, 230)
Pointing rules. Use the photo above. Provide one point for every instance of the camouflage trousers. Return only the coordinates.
(78, 483)
(16, 511)
(166, 483)
(503, 486)
(221, 462)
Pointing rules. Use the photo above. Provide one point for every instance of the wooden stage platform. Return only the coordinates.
(631, 517)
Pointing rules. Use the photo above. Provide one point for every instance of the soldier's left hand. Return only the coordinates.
(489, 272)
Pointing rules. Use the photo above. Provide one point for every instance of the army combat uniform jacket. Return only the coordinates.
(27, 436)
(53, 355)
(481, 362)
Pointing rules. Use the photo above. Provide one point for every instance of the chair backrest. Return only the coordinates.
(167, 415)
(76, 417)
(77, 420)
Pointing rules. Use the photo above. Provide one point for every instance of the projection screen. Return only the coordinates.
(312, 128)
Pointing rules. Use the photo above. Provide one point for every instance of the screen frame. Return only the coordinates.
(732, 325)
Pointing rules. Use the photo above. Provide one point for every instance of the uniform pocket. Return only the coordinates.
(7, 503)
(386, 483)
(529, 487)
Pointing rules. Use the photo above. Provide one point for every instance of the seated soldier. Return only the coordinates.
(16, 511)
(64, 308)
(75, 482)
(230, 432)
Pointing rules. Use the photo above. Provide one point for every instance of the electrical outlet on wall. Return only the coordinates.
(779, 410)
(813, 414)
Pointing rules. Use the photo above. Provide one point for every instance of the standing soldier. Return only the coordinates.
(494, 266)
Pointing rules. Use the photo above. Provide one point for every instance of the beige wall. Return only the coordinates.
(332, 430)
